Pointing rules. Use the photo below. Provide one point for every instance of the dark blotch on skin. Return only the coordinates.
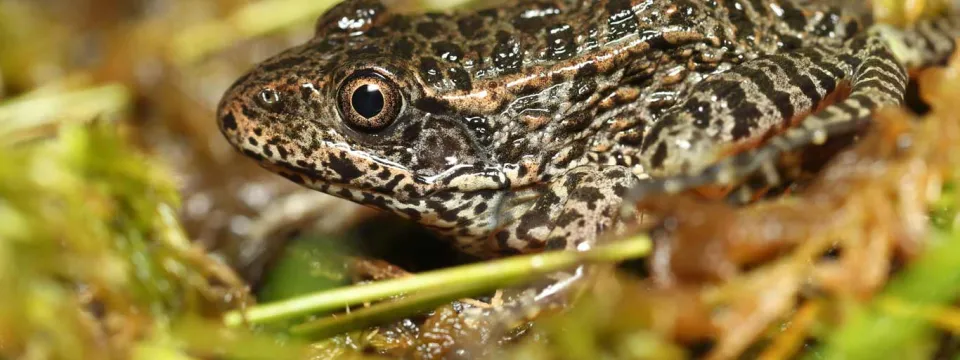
(376, 32)
(802, 81)
(480, 208)
(447, 51)
(656, 131)
(570, 217)
(229, 121)
(429, 29)
(403, 48)
(461, 79)
(621, 21)
(736, 12)
(790, 43)
(588, 195)
(575, 153)
(583, 90)
(491, 13)
(480, 128)
(451, 215)
(365, 51)
(361, 17)
(780, 99)
(345, 168)
(793, 16)
(560, 43)
(502, 237)
(620, 190)
(531, 221)
(827, 25)
(593, 39)
(527, 89)
(293, 177)
(430, 70)
(746, 116)
(523, 171)
(701, 113)
(432, 105)
(471, 26)
(532, 24)
(558, 78)
(282, 151)
(685, 11)
(411, 133)
(507, 54)
(254, 155)
(852, 27)
(587, 71)
(248, 112)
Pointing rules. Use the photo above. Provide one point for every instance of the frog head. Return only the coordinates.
(349, 113)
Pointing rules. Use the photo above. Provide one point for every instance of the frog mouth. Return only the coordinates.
(320, 180)
(466, 178)
(416, 206)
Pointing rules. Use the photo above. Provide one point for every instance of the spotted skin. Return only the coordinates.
(525, 127)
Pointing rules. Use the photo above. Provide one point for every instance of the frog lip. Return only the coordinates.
(314, 178)
(425, 187)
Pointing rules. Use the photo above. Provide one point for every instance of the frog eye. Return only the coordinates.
(369, 102)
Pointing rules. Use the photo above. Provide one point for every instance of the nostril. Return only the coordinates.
(269, 98)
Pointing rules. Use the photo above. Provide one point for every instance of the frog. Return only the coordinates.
(529, 126)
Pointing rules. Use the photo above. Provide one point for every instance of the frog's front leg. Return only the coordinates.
(570, 212)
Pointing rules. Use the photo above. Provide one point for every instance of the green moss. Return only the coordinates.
(306, 265)
(90, 223)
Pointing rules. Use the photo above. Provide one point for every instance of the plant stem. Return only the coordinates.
(447, 284)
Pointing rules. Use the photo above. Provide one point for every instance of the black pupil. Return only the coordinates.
(368, 101)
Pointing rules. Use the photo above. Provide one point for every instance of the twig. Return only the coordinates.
(448, 284)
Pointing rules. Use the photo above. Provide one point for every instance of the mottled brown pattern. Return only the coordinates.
(524, 127)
